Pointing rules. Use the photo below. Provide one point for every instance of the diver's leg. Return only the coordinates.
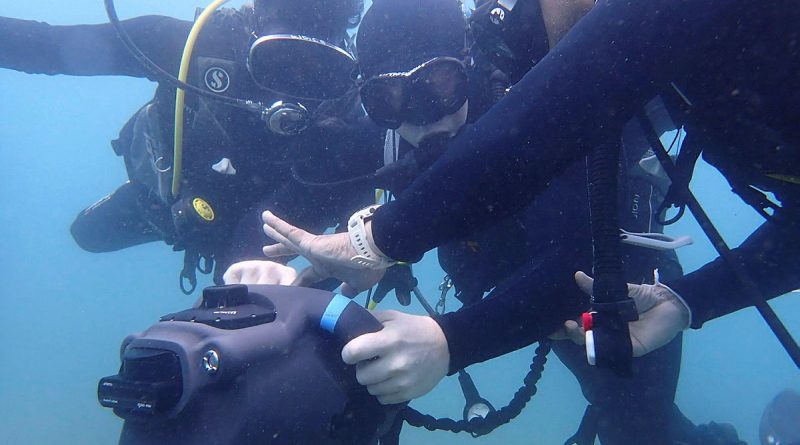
(115, 222)
(630, 411)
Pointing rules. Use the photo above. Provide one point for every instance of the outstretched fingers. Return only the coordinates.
(285, 246)
(284, 230)
(278, 250)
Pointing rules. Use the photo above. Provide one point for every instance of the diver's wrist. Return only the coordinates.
(667, 293)
(368, 255)
(372, 243)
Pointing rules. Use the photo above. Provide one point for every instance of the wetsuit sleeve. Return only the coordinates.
(530, 305)
(771, 256)
(90, 50)
(577, 97)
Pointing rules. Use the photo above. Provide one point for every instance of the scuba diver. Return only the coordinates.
(424, 83)
(200, 185)
(728, 72)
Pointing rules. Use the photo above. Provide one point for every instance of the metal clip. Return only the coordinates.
(444, 287)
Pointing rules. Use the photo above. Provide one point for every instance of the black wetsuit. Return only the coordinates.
(735, 62)
(213, 131)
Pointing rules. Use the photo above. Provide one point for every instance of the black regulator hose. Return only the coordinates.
(610, 306)
(161, 74)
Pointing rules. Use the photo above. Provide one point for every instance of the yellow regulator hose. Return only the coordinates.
(180, 95)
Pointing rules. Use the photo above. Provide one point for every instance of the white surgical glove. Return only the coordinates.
(662, 315)
(259, 272)
(329, 255)
(405, 360)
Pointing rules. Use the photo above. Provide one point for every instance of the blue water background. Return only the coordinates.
(65, 311)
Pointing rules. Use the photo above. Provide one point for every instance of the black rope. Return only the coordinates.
(748, 285)
(481, 426)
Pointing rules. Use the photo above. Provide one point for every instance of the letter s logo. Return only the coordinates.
(217, 79)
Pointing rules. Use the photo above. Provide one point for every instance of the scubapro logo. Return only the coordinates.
(217, 79)
(497, 15)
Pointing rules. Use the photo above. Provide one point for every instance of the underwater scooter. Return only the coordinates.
(248, 365)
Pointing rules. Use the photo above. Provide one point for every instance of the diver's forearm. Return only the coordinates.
(530, 305)
(579, 96)
(90, 50)
(770, 257)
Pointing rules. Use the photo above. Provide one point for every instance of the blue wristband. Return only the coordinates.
(332, 313)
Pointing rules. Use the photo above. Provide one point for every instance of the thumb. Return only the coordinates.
(585, 282)
(363, 347)
(349, 291)
(308, 277)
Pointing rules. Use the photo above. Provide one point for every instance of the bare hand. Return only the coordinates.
(403, 361)
(329, 255)
(662, 315)
(259, 272)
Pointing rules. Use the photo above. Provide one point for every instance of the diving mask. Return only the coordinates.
(301, 67)
(306, 72)
(421, 96)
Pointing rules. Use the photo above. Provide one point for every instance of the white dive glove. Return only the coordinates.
(259, 272)
(662, 315)
(329, 255)
(405, 360)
